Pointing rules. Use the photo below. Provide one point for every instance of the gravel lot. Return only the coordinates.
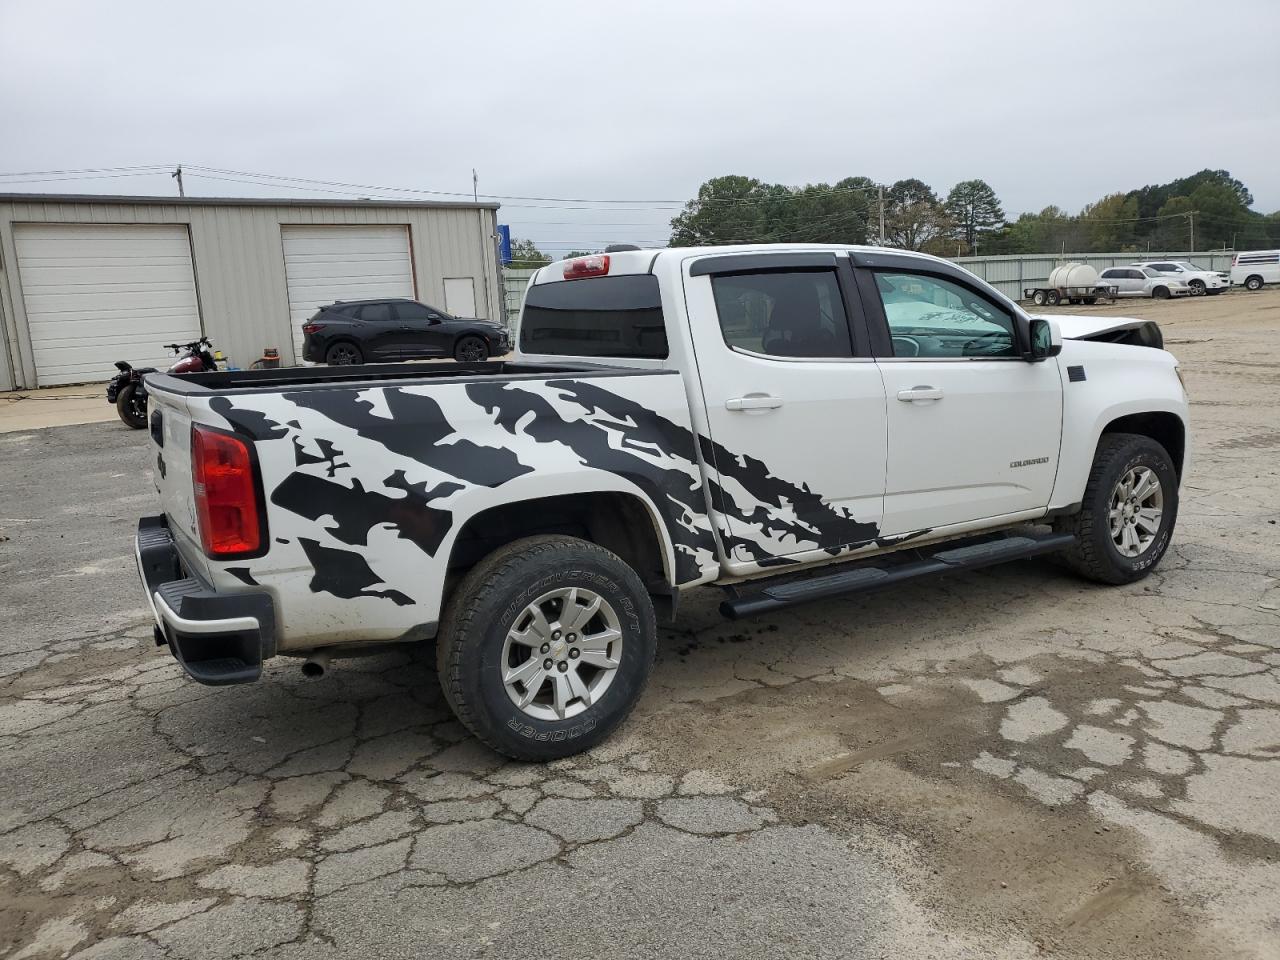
(1007, 763)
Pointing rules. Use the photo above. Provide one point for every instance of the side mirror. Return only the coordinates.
(1046, 339)
(433, 318)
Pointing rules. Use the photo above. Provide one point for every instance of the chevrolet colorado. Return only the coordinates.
(788, 422)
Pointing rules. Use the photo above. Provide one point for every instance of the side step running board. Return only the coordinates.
(950, 557)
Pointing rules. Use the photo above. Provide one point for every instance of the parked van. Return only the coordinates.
(1253, 268)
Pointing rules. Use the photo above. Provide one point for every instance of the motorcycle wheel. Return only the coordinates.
(131, 407)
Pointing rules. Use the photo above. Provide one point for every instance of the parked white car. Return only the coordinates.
(1144, 282)
(1200, 280)
(1252, 268)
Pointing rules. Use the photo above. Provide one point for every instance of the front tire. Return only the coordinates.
(1197, 288)
(1128, 512)
(545, 647)
(470, 350)
(1038, 298)
(131, 404)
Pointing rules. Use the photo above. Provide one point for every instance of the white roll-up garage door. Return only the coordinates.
(97, 293)
(326, 264)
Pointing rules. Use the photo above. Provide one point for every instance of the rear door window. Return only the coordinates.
(376, 312)
(596, 317)
(786, 313)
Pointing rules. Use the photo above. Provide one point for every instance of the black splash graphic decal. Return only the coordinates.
(677, 494)
(252, 422)
(356, 511)
(416, 429)
(346, 574)
(243, 575)
(328, 454)
(815, 520)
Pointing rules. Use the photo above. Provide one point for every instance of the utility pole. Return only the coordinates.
(177, 175)
(1191, 222)
(882, 215)
(475, 185)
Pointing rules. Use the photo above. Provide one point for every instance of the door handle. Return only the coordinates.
(753, 402)
(920, 393)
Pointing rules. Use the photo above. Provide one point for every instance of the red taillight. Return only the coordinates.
(312, 327)
(226, 493)
(596, 265)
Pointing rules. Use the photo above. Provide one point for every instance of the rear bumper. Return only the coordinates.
(217, 638)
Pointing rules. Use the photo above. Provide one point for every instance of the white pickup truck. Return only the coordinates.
(785, 422)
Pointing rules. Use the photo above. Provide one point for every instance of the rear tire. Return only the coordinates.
(471, 350)
(1253, 283)
(1103, 552)
(132, 407)
(480, 662)
(343, 354)
(1051, 298)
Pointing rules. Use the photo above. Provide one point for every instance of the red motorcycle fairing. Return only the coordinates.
(188, 365)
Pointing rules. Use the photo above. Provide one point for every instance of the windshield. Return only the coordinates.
(1150, 272)
(1187, 265)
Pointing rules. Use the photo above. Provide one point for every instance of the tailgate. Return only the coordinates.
(169, 423)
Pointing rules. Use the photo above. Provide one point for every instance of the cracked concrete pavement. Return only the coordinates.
(1008, 763)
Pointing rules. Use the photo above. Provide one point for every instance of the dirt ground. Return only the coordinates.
(1009, 763)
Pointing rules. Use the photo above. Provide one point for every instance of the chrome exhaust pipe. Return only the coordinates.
(316, 665)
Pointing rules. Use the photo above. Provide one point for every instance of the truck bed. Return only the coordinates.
(379, 374)
(371, 476)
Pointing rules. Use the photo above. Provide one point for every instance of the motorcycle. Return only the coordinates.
(128, 392)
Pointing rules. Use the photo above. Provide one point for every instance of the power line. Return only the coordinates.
(792, 195)
(86, 170)
(99, 176)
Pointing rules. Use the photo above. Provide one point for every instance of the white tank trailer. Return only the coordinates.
(1071, 283)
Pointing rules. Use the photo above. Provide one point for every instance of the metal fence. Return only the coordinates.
(1008, 274)
(513, 283)
(1013, 274)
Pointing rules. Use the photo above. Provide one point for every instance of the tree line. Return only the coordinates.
(1209, 210)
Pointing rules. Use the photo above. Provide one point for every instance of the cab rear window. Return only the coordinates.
(597, 317)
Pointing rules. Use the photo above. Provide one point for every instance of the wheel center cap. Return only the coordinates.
(558, 648)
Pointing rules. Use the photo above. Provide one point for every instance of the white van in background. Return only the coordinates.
(1253, 268)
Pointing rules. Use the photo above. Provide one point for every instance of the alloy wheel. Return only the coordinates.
(1137, 506)
(561, 653)
(341, 355)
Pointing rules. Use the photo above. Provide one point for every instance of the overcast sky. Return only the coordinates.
(1050, 103)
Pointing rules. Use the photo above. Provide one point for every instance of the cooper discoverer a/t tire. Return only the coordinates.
(1128, 512)
(545, 647)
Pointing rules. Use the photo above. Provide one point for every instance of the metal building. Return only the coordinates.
(87, 280)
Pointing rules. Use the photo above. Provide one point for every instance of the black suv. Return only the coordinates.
(385, 331)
